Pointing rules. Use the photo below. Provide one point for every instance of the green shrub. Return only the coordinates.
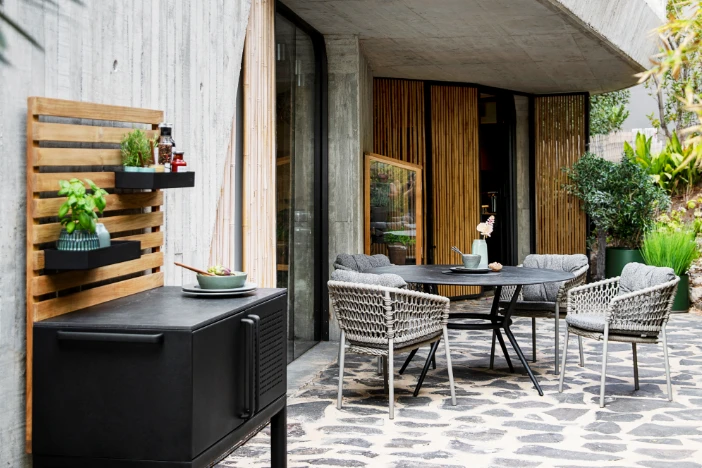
(136, 150)
(676, 249)
(675, 169)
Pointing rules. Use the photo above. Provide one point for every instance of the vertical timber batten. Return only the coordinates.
(560, 137)
(259, 145)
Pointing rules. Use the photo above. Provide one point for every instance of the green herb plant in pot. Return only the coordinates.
(397, 247)
(223, 278)
(78, 216)
(137, 153)
(674, 248)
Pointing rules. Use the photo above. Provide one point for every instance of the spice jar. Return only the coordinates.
(178, 165)
(165, 144)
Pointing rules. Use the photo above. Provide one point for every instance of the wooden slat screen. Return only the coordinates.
(399, 126)
(259, 244)
(134, 216)
(559, 140)
(455, 174)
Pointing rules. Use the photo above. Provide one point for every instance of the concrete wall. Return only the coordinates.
(521, 104)
(178, 55)
(350, 134)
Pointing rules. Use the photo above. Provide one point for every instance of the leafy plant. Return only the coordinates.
(399, 239)
(78, 211)
(676, 249)
(620, 199)
(136, 149)
(676, 169)
(608, 112)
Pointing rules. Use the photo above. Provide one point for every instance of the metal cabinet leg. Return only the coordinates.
(279, 439)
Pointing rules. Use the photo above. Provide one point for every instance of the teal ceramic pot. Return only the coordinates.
(236, 280)
(480, 248)
(131, 169)
(78, 240)
(681, 303)
(616, 258)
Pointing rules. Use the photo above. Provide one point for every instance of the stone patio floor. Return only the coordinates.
(500, 420)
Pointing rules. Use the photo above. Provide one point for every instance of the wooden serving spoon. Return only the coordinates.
(196, 270)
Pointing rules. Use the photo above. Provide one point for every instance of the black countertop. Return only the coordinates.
(160, 308)
(440, 274)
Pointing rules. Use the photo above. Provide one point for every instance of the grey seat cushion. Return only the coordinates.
(360, 262)
(548, 292)
(636, 276)
(387, 280)
(596, 323)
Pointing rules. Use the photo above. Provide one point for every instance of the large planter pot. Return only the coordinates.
(617, 257)
(681, 303)
(379, 214)
(397, 254)
(77, 240)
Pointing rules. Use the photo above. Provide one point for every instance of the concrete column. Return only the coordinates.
(350, 134)
(521, 104)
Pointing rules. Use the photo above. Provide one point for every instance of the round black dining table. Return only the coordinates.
(498, 320)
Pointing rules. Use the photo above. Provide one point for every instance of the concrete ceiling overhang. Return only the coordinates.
(534, 46)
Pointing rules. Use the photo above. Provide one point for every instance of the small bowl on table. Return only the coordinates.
(236, 280)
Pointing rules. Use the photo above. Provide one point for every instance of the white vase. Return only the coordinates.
(480, 248)
(103, 235)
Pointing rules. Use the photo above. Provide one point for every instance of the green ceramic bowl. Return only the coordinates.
(236, 280)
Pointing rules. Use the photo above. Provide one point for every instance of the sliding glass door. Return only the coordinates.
(297, 200)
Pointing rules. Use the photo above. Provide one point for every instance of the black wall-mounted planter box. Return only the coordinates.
(154, 180)
(118, 252)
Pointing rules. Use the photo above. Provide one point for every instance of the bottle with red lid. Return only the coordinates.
(178, 164)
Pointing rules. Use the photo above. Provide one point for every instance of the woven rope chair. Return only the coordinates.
(597, 311)
(544, 309)
(380, 321)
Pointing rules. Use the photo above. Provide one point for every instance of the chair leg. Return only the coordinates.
(558, 336)
(407, 361)
(636, 366)
(533, 339)
(667, 364)
(449, 366)
(565, 356)
(342, 353)
(580, 350)
(380, 365)
(492, 351)
(604, 365)
(385, 374)
(391, 383)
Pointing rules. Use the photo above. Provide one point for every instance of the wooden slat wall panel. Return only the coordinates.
(399, 127)
(259, 145)
(456, 174)
(559, 141)
(51, 295)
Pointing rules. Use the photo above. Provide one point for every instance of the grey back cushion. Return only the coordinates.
(360, 262)
(637, 276)
(548, 292)
(387, 280)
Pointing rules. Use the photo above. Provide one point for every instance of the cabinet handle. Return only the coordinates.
(256, 360)
(249, 378)
(154, 338)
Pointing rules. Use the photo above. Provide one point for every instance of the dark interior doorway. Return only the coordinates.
(497, 178)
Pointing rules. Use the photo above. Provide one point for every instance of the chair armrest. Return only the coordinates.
(592, 298)
(578, 280)
(646, 310)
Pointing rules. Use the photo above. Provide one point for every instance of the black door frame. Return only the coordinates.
(321, 211)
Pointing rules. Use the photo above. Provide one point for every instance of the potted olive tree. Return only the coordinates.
(621, 201)
(77, 215)
(397, 247)
(137, 152)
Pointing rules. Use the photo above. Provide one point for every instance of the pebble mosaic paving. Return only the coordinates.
(500, 420)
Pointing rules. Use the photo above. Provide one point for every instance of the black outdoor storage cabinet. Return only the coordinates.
(159, 380)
